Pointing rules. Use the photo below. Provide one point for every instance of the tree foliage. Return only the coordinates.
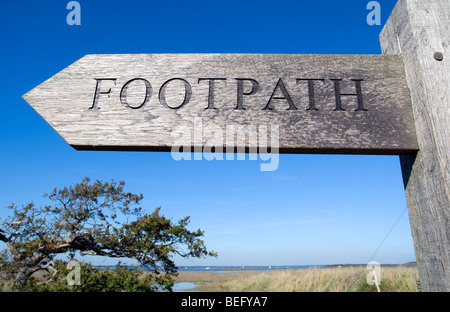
(119, 279)
(97, 218)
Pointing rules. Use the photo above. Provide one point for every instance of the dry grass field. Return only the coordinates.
(304, 280)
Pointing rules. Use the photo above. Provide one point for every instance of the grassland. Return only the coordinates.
(304, 280)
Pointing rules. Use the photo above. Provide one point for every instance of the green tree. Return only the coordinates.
(93, 279)
(99, 219)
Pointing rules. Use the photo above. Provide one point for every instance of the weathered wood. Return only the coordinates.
(321, 103)
(418, 29)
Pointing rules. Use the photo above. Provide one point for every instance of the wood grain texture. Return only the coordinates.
(417, 30)
(131, 113)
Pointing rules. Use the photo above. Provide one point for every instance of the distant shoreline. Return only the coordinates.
(220, 268)
(360, 265)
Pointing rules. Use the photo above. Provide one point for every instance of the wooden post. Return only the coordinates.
(420, 31)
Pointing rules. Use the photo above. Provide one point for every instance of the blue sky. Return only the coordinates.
(315, 209)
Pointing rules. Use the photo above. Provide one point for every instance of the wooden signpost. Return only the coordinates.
(336, 104)
(321, 103)
(420, 32)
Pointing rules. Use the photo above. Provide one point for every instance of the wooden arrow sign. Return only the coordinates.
(307, 103)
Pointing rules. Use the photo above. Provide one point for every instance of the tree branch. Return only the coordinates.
(3, 237)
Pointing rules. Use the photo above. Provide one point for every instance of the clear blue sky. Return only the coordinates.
(315, 209)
